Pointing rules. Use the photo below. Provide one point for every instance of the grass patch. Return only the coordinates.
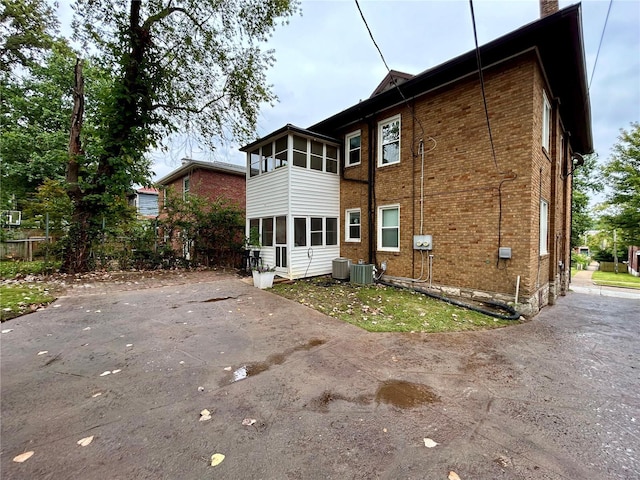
(20, 299)
(10, 269)
(378, 308)
(616, 279)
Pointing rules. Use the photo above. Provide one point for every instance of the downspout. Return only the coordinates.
(371, 192)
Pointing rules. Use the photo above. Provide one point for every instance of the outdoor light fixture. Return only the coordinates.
(577, 160)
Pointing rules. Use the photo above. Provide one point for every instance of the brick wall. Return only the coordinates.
(213, 184)
(463, 185)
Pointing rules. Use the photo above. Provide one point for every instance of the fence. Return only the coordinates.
(611, 267)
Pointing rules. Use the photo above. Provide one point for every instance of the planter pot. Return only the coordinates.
(263, 280)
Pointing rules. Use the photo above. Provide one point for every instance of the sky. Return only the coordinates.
(326, 61)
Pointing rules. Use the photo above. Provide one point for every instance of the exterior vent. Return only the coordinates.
(340, 268)
(362, 274)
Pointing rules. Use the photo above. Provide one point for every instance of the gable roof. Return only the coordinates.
(557, 40)
(391, 80)
(189, 165)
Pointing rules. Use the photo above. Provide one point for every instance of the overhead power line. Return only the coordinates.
(600, 44)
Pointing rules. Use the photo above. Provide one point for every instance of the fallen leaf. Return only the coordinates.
(96, 395)
(181, 362)
(201, 389)
(97, 311)
(205, 415)
(129, 345)
(88, 328)
(43, 352)
(227, 369)
(108, 372)
(453, 475)
(83, 442)
(56, 306)
(7, 330)
(216, 459)
(23, 457)
(430, 443)
(117, 371)
(248, 421)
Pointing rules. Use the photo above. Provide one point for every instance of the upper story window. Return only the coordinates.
(300, 151)
(389, 147)
(353, 148)
(186, 186)
(546, 122)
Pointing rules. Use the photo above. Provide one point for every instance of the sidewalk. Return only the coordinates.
(582, 282)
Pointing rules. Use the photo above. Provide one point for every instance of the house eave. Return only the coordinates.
(290, 128)
(190, 165)
(559, 41)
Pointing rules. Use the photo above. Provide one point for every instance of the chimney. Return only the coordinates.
(548, 7)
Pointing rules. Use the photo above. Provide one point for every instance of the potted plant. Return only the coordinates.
(263, 276)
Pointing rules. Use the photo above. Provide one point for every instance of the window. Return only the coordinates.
(267, 232)
(546, 122)
(389, 134)
(299, 151)
(389, 228)
(316, 155)
(316, 231)
(332, 159)
(186, 185)
(544, 227)
(331, 234)
(254, 163)
(164, 197)
(353, 148)
(352, 227)
(300, 232)
(254, 226)
(281, 152)
(268, 163)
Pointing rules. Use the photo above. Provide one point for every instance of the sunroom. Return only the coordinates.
(293, 200)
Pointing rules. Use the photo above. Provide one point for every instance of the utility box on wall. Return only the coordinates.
(422, 242)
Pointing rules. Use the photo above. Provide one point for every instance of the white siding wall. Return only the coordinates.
(313, 194)
(294, 191)
(268, 195)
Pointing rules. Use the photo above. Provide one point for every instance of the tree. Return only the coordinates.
(27, 28)
(584, 183)
(34, 136)
(197, 67)
(622, 175)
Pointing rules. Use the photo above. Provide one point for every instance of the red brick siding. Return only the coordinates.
(462, 183)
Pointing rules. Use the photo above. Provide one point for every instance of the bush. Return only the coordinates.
(580, 261)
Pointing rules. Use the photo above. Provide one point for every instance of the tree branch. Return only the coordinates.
(188, 109)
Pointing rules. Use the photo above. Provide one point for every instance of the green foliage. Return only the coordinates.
(51, 199)
(585, 181)
(580, 259)
(27, 28)
(212, 231)
(622, 173)
(12, 269)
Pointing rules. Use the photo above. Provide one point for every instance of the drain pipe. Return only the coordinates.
(513, 314)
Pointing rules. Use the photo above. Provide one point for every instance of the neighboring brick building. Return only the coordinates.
(418, 167)
(210, 180)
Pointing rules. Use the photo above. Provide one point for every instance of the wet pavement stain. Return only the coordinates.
(253, 369)
(403, 394)
(321, 403)
(216, 299)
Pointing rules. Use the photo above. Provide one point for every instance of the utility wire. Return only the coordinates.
(600, 44)
(364, 20)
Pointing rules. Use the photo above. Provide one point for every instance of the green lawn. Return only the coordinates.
(20, 299)
(378, 308)
(616, 279)
(9, 269)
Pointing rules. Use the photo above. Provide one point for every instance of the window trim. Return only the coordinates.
(347, 148)
(380, 227)
(546, 122)
(186, 186)
(347, 225)
(543, 230)
(382, 124)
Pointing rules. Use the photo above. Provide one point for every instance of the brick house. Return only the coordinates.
(210, 180)
(420, 190)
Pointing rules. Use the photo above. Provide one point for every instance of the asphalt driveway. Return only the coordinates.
(294, 394)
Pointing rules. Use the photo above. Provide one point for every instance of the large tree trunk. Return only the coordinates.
(77, 249)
